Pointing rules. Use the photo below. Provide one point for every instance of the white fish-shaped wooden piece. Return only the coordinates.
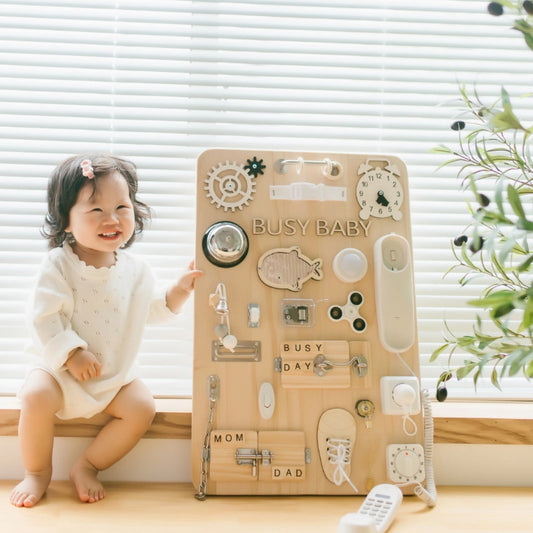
(287, 268)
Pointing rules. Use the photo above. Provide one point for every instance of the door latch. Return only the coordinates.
(250, 456)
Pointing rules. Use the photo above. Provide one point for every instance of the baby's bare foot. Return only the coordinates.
(31, 489)
(83, 475)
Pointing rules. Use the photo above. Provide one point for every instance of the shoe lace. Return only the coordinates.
(339, 454)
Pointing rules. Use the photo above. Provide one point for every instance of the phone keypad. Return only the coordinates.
(377, 508)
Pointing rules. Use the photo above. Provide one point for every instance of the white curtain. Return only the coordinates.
(158, 82)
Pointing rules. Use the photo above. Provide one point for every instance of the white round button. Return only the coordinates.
(350, 265)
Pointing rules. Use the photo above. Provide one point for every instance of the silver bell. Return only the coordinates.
(222, 307)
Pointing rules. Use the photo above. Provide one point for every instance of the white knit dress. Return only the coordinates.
(103, 310)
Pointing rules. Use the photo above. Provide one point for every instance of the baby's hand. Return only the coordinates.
(178, 293)
(187, 280)
(83, 365)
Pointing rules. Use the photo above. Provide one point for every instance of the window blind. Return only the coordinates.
(158, 82)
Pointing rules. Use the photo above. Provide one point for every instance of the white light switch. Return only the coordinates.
(267, 400)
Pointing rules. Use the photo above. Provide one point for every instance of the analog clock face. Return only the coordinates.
(379, 194)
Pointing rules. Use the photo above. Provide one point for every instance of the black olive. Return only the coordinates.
(442, 393)
(458, 125)
(495, 8)
(528, 7)
(483, 200)
(460, 240)
(476, 244)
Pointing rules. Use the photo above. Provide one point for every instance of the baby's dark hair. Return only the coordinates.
(66, 182)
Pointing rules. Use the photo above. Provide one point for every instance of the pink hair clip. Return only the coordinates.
(87, 169)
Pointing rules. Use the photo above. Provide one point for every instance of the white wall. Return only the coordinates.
(484, 464)
(168, 460)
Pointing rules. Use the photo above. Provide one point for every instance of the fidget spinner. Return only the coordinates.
(229, 185)
(350, 312)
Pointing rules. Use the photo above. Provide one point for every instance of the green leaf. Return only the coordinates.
(524, 224)
(438, 351)
(494, 378)
(527, 319)
(526, 29)
(507, 247)
(515, 367)
(517, 359)
(477, 375)
(524, 266)
(494, 299)
(498, 197)
(493, 218)
(463, 371)
(441, 149)
(506, 119)
(501, 310)
(484, 338)
(498, 266)
(465, 258)
(514, 200)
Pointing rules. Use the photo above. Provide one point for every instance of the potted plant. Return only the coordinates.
(496, 168)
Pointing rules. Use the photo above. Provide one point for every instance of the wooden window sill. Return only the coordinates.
(172, 421)
(455, 422)
(489, 422)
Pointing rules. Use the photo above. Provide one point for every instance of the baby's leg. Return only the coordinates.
(41, 398)
(132, 410)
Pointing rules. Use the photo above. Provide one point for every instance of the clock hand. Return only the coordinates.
(381, 200)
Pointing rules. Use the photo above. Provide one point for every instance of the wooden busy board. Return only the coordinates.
(286, 336)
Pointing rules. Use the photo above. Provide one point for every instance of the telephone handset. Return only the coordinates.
(395, 305)
(377, 512)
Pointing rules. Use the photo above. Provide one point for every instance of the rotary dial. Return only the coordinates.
(405, 463)
(379, 192)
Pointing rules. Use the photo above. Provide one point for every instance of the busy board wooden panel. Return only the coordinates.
(286, 333)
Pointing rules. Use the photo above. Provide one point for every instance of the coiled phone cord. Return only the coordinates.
(428, 494)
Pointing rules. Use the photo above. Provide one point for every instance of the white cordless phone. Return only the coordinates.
(377, 512)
